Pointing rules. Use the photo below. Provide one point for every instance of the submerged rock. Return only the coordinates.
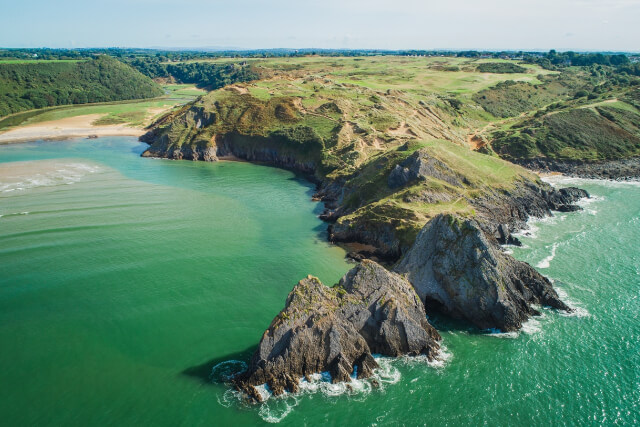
(371, 310)
(456, 270)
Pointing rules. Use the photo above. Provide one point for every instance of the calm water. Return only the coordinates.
(124, 280)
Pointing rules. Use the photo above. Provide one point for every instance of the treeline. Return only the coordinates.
(203, 74)
(500, 67)
(554, 60)
(26, 86)
(552, 57)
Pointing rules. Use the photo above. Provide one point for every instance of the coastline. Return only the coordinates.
(71, 127)
(614, 170)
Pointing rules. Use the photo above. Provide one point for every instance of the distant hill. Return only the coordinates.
(29, 85)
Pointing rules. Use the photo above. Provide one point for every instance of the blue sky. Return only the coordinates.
(397, 24)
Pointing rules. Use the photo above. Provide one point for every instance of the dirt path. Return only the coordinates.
(475, 140)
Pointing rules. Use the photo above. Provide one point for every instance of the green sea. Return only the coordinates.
(126, 282)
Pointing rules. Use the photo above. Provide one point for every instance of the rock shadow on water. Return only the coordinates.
(221, 370)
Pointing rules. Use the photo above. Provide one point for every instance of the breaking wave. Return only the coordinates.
(566, 181)
(546, 262)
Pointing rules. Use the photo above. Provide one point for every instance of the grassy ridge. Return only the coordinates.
(584, 134)
(31, 85)
(501, 67)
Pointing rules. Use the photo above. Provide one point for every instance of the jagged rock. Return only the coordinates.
(420, 165)
(371, 310)
(455, 269)
(515, 206)
(504, 236)
(562, 200)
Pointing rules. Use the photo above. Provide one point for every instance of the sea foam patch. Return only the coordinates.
(565, 181)
(576, 306)
(546, 262)
(20, 176)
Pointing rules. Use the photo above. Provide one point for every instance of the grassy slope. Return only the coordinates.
(569, 117)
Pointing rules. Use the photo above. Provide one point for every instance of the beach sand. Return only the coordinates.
(71, 127)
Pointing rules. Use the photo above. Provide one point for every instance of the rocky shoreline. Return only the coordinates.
(619, 170)
(453, 269)
(338, 329)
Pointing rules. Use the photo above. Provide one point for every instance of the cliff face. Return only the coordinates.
(422, 186)
(457, 270)
(371, 311)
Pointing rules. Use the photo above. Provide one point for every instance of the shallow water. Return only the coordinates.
(125, 280)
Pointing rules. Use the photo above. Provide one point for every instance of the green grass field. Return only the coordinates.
(394, 72)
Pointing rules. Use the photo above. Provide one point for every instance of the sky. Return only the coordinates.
(611, 25)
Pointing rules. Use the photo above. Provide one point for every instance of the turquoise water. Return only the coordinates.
(125, 280)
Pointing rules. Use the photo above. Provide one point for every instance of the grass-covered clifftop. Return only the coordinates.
(27, 85)
(357, 124)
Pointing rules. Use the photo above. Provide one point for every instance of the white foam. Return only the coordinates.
(225, 371)
(497, 333)
(571, 181)
(274, 409)
(531, 326)
(532, 226)
(439, 362)
(20, 176)
(577, 310)
(547, 261)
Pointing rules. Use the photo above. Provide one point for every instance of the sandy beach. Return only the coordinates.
(71, 127)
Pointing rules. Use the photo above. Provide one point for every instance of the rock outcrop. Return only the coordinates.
(458, 271)
(419, 166)
(501, 213)
(371, 311)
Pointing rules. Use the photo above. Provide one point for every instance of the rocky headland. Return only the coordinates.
(457, 270)
(421, 203)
